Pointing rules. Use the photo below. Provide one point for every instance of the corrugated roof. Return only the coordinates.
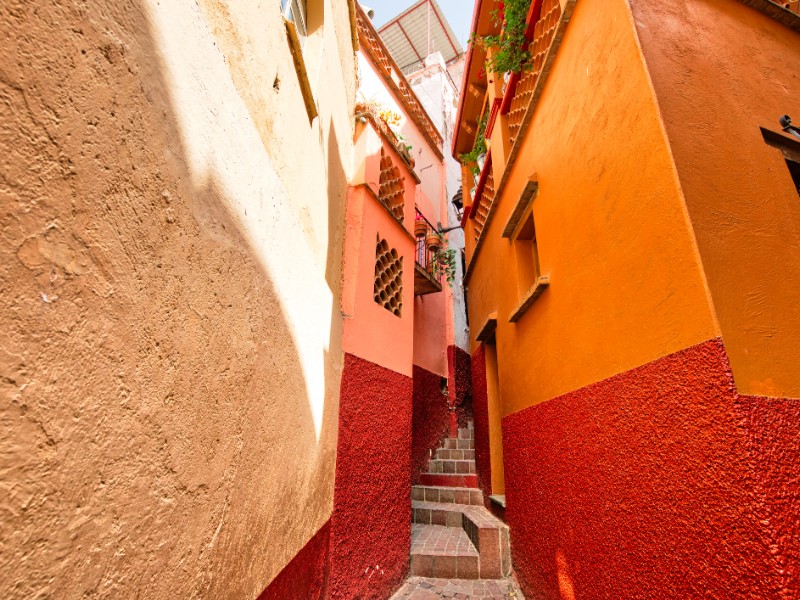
(407, 36)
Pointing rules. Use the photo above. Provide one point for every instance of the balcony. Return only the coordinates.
(427, 272)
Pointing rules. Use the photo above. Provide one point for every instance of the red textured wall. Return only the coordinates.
(657, 483)
(460, 385)
(480, 411)
(371, 523)
(772, 426)
(306, 575)
(431, 421)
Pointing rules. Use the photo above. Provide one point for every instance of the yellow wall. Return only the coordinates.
(721, 70)
(170, 252)
(494, 418)
(626, 284)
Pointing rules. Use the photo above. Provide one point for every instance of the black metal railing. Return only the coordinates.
(425, 256)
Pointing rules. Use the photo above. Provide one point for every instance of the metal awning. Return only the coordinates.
(417, 32)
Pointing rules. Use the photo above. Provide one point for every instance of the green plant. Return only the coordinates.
(444, 263)
(511, 44)
(478, 148)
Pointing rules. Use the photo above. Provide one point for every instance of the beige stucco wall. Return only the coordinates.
(170, 248)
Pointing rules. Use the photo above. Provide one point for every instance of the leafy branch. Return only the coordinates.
(444, 263)
(511, 44)
(478, 148)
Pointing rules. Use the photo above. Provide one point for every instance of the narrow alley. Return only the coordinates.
(403, 300)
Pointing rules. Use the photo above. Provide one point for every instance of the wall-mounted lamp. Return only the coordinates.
(786, 123)
(458, 203)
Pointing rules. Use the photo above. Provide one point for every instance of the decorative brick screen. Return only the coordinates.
(792, 5)
(542, 39)
(388, 290)
(484, 204)
(392, 186)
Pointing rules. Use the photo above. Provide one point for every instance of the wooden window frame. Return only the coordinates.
(530, 281)
(296, 11)
(790, 148)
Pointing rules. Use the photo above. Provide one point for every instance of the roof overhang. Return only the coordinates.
(474, 82)
(418, 32)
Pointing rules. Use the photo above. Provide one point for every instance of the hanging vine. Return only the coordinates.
(511, 46)
(478, 148)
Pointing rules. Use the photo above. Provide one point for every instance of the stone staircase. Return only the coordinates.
(452, 534)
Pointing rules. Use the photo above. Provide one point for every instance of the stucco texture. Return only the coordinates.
(480, 411)
(721, 70)
(660, 482)
(431, 419)
(306, 576)
(371, 525)
(168, 386)
(459, 385)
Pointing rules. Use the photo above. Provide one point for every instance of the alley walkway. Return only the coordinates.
(424, 588)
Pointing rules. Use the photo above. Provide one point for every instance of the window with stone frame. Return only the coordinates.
(530, 281)
(295, 11)
(790, 148)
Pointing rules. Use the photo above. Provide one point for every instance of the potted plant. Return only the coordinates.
(433, 241)
(420, 228)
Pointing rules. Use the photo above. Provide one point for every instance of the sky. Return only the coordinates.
(458, 13)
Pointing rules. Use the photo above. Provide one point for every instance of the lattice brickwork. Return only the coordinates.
(392, 186)
(484, 204)
(542, 39)
(388, 290)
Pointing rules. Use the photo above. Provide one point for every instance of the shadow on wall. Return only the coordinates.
(159, 439)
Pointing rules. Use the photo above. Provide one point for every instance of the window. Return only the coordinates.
(530, 281)
(790, 148)
(295, 11)
(295, 17)
(527, 253)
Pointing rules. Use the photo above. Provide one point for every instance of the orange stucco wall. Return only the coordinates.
(433, 331)
(626, 283)
(494, 419)
(743, 206)
(368, 325)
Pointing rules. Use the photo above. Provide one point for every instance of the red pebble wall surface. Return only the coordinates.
(480, 410)
(772, 426)
(658, 483)
(371, 523)
(306, 575)
(431, 418)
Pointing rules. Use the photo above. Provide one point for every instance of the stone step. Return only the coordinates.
(458, 444)
(437, 513)
(446, 552)
(451, 466)
(488, 534)
(466, 433)
(447, 454)
(430, 493)
(449, 480)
